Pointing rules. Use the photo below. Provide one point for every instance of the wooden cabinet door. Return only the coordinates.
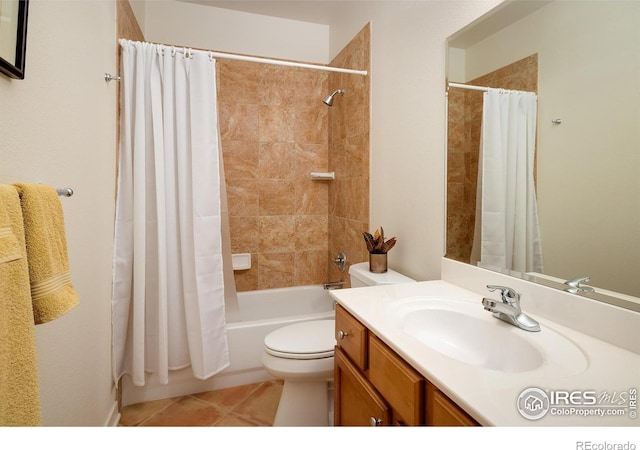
(356, 402)
(442, 412)
(399, 383)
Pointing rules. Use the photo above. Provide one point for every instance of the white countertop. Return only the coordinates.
(491, 396)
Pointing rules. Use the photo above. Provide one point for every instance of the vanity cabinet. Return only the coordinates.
(442, 412)
(357, 402)
(399, 383)
(375, 386)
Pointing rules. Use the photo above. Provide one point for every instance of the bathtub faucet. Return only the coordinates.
(334, 285)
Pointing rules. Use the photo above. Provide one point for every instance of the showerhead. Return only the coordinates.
(328, 100)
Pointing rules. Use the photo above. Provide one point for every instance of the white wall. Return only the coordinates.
(588, 167)
(58, 128)
(199, 26)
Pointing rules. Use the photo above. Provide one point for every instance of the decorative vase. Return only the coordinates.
(378, 262)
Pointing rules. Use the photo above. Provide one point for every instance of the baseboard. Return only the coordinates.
(182, 382)
(114, 417)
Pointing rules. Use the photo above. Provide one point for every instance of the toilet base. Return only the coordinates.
(303, 404)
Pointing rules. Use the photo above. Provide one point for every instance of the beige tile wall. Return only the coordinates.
(273, 126)
(349, 155)
(463, 143)
(275, 131)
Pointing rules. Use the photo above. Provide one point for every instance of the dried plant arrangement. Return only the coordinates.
(376, 242)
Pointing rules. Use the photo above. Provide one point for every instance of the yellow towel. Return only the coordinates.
(19, 388)
(52, 292)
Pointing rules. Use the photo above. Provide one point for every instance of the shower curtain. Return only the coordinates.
(507, 231)
(168, 288)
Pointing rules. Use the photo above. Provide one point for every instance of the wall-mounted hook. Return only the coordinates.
(341, 261)
(556, 121)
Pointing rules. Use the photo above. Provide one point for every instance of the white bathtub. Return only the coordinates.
(260, 313)
(263, 311)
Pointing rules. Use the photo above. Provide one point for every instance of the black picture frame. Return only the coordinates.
(12, 66)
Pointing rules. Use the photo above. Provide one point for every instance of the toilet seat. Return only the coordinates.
(305, 340)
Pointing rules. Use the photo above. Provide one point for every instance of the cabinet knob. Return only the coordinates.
(375, 422)
(342, 334)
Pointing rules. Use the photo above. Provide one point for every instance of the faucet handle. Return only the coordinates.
(576, 282)
(575, 285)
(508, 295)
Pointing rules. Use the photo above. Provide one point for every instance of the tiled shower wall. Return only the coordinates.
(463, 144)
(273, 126)
(275, 131)
(349, 156)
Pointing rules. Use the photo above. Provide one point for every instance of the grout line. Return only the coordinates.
(248, 395)
(175, 400)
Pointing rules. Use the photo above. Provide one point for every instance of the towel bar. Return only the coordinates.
(65, 192)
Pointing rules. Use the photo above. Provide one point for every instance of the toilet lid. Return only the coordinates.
(304, 340)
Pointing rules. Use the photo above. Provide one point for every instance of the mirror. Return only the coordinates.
(13, 37)
(586, 71)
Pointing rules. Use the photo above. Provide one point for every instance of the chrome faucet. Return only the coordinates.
(574, 287)
(509, 309)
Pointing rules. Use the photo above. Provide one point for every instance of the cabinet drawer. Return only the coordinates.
(399, 383)
(351, 337)
(442, 412)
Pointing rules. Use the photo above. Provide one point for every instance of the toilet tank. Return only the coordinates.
(361, 276)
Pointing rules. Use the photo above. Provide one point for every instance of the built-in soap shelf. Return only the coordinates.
(241, 261)
(323, 175)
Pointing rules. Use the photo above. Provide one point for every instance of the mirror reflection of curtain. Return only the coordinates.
(507, 236)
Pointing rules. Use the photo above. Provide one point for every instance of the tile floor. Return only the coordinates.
(252, 405)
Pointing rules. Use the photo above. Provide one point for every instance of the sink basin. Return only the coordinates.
(472, 341)
(465, 332)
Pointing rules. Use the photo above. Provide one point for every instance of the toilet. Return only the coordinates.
(302, 355)
(361, 276)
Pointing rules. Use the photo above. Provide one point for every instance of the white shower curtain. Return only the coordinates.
(168, 289)
(508, 220)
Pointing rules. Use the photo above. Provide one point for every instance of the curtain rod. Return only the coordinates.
(479, 88)
(277, 62)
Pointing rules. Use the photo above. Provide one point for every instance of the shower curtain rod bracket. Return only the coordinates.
(108, 77)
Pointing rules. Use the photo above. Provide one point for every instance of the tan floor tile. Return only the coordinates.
(248, 405)
(230, 397)
(231, 420)
(187, 411)
(134, 415)
(262, 404)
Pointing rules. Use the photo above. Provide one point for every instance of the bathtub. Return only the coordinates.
(260, 313)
